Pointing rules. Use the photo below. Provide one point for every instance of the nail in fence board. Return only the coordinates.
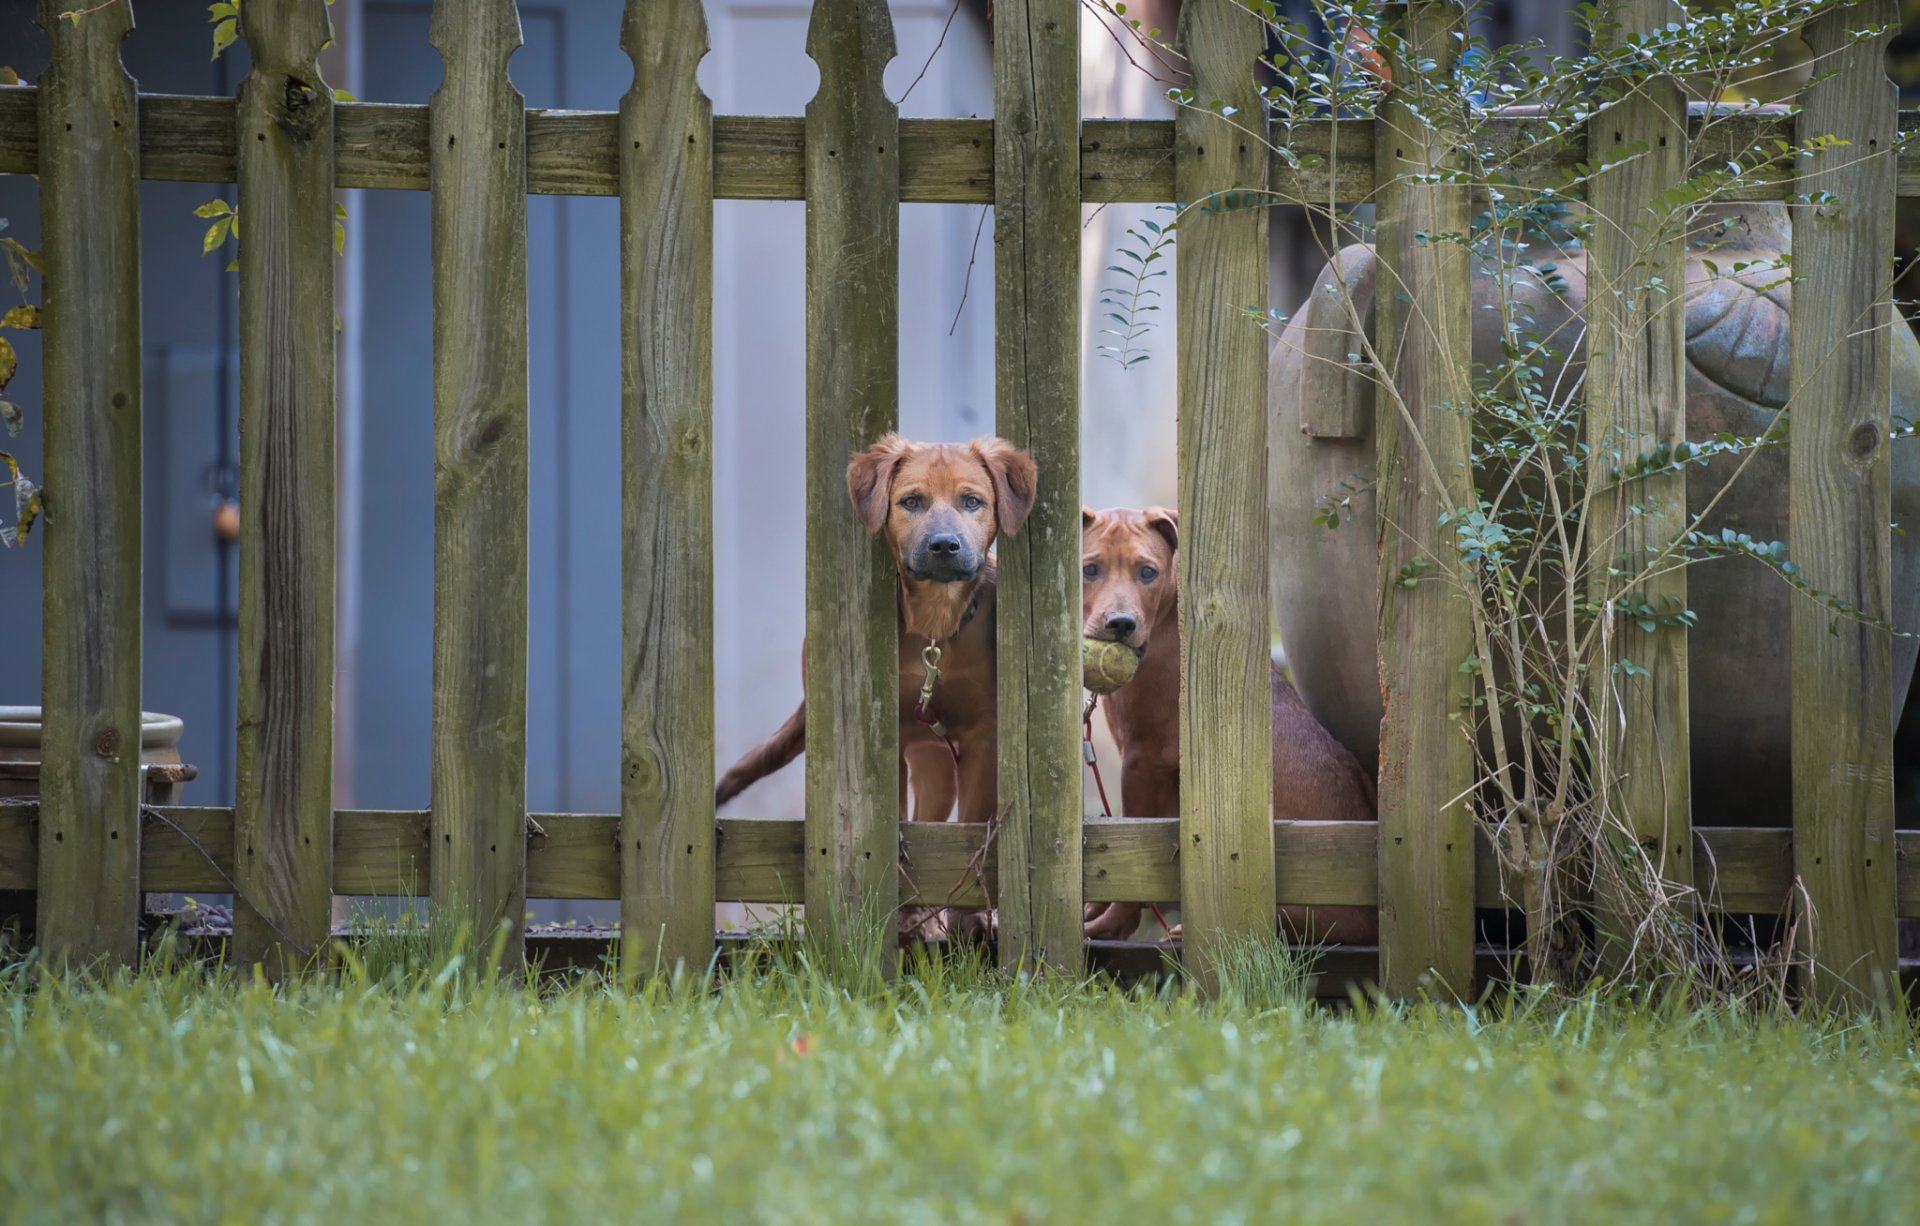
(1637, 402)
(1422, 311)
(1226, 698)
(1839, 508)
(89, 900)
(852, 664)
(666, 314)
(283, 791)
(1036, 237)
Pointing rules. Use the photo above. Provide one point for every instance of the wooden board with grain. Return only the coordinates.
(942, 161)
(1636, 394)
(1740, 870)
(283, 795)
(1226, 737)
(853, 389)
(89, 898)
(666, 535)
(1036, 251)
(478, 169)
(1422, 319)
(1839, 509)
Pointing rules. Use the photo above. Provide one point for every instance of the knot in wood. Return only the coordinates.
(106, 743)
(1864, 440)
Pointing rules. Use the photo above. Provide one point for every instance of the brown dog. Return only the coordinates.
(939, 507)
(1130, 596)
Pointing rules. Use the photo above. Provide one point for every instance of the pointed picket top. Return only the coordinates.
(285, 36)
(656, 31)
(851, 34)
(460, 28)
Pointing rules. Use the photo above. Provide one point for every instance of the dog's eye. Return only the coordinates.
(913, 502)
(972, 502)
(1090, 571)
(1148, 574)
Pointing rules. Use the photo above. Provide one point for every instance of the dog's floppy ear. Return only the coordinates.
(1166, 523)
(870, 479)
(1015, 478)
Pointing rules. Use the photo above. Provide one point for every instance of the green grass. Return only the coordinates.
(947, 1098)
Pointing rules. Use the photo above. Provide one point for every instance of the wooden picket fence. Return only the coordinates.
(92, 138)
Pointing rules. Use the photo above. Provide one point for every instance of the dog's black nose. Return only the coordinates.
(1120, 625)
(945, 544)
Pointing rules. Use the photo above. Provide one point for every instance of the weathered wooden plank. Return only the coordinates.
(1839, 508)
(576, 856)
(1036, 259)
(666, 332)
(853, 389)
(480, 475)
(89, 902)
(1422, 319)
(1636, 402)
(942, 161)
(1226, 734)
(284, 790)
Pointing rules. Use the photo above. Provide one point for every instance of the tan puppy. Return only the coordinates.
(939, 507)
(1130, 595)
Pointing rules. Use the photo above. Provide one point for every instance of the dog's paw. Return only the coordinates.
(970, 924)
(1116, 921)
(921, 924)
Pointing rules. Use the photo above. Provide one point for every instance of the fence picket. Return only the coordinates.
(283, 795)
(1036, 249)
(1839, 509)
(89, 856)
(853, 289)
(1422, 317)
(666, 320)
(480, 476)
(1226, 698)
(1636, 402)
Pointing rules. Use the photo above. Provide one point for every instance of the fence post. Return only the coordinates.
(1226, 646)
(1637, 402)
(1036, 249)
(852, 653)
(478, 169)
(1422, 312)
(283, 795)
(1839, 508)
(89, 871)
(666, 331)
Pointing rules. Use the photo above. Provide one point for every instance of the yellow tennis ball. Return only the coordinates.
(1106, 666)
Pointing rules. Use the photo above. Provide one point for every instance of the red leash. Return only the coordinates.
(1106, 807)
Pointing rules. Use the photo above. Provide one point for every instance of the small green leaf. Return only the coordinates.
(216, 234)
(213, 208)
(224, 35)
(22, 318)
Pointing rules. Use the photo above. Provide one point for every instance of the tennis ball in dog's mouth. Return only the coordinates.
(1106, 666)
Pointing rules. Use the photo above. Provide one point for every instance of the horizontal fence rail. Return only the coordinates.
(1741, 869)
(755, 157)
